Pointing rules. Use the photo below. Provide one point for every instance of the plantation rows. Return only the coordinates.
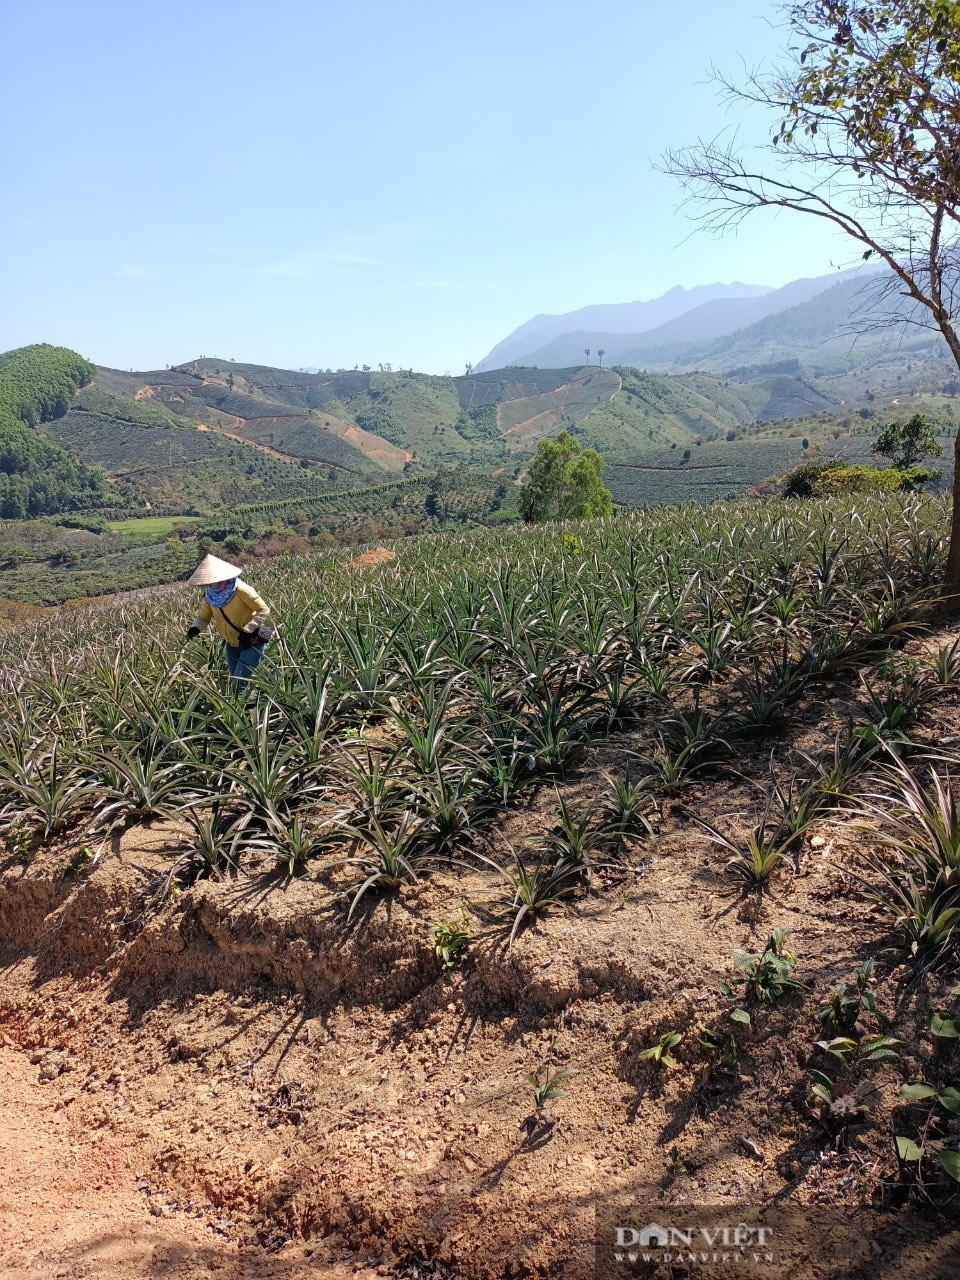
(713, 471)
(401, 714)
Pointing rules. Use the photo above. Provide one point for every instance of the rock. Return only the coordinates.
(54, 1064)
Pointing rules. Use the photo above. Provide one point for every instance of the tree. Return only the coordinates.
(586, 352)
(867, 118)
(907, 443)
(600, 354)
(565, 482)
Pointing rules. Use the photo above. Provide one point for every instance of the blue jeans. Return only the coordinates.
(241, 663)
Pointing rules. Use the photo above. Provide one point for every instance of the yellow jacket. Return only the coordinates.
(244, 611)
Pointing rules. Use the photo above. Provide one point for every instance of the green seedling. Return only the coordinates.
(766, 977)
(721, 1046)
(927, 1167)
(452, 940)
(660, 1053)
(847, 1004)
(869, 1049)
(944, 1026)
(548, 1089)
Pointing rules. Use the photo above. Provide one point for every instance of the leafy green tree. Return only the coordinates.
(866, 138)
(565, 482)
(905, 444)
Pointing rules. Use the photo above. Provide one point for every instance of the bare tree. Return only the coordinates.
(866, 138)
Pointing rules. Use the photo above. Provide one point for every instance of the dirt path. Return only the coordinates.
(73, 1208)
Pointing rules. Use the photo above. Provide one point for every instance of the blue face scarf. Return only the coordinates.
(218, 596)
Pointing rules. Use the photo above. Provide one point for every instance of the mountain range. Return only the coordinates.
(683, 327)
(604, 319)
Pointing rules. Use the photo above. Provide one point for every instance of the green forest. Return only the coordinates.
(37, 477)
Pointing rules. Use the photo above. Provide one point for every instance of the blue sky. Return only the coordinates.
(327, 184)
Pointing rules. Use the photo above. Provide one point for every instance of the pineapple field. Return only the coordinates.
(539, 870)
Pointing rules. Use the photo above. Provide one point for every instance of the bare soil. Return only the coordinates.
(73, 1203)
(372, 559)
(241, 1080)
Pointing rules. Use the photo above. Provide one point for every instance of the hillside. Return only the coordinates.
(37, 385)
(217, 433)
(534, 875)
(253, 459)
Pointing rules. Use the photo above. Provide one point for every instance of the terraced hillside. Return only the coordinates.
(217, 433)
(262, 458)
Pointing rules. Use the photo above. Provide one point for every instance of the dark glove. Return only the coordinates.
(193, 631)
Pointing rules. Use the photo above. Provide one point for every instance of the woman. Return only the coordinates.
(236, 611)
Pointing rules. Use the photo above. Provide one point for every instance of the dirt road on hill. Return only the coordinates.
(73, 1208)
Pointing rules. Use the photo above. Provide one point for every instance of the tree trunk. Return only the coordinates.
(951, 578)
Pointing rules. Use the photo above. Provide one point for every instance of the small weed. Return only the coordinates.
(21, 840)
(927, 1168)
(660, 1053)
(944, 1026)
(79, 859)
(836, 1106)
(766, 977)
(721, 1048)
(847, 1004)
(546, 1089)
(868, 1049)
(452, 940)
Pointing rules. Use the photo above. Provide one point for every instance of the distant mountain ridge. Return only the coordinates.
(706, 320)
(611, 318)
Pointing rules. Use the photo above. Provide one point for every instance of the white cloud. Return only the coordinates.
(303, 265)
(134, 273)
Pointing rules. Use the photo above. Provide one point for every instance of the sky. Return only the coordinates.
(310, 184)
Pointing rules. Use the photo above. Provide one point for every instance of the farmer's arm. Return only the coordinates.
(203, 618)
(258, 606)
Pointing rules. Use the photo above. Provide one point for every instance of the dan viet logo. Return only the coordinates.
(689, 1244)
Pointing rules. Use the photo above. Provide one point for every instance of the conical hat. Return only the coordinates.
(210, 570)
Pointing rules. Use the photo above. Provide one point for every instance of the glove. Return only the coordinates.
(193, 631)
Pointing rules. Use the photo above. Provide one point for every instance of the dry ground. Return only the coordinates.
(240, 1080)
